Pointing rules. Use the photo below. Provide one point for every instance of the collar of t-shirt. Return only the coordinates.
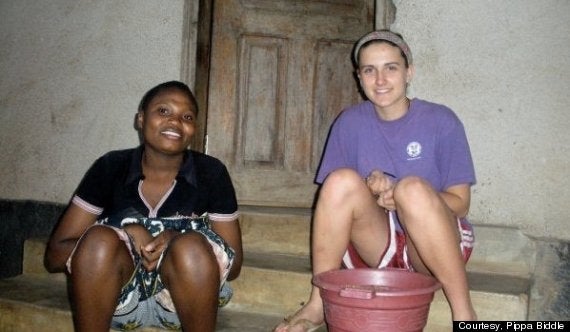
(187, 172)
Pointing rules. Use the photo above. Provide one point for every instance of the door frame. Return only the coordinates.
(196, 45)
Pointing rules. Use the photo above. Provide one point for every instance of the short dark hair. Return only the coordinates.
(170, 85)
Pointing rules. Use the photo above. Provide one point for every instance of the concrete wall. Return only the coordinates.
(504, 67)
(71, 75)
(73, 71)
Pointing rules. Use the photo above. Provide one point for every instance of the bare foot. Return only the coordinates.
(307, 319)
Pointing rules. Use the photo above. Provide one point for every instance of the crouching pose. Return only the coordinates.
(151, 235)
(396, 179)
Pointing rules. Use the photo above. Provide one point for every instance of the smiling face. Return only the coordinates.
(384, 76)
(168, 122)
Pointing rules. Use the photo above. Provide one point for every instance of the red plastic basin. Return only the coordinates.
(373, 300)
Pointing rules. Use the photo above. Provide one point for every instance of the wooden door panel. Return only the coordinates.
(335, 86)
(261, 102)
(280, 73)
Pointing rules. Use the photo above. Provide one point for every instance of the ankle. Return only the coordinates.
(468, 315)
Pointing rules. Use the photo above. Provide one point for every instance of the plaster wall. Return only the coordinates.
(71, 75)
(73, 71)
(504, 68)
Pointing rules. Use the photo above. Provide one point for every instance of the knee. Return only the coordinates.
(412, 190)
(190, 252)
(342, 176)
(99, 245)
(341, 182)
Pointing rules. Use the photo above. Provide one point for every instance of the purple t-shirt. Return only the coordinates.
(428, 141)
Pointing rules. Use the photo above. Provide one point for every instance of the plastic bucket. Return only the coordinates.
(372, 300)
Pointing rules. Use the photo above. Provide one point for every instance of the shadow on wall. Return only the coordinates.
(21, 220)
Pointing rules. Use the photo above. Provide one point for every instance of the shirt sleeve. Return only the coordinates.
(455, 163)
(94, 190)
(223, 203)
(337, 152)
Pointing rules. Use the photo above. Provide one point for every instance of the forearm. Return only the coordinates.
(236, 267)
(71, 226)
(57, 254)
(231, 233)
(459, 206)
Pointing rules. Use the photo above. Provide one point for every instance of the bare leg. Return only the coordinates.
(100, 267)
(191, 274)
(346, 212)
(433, 240)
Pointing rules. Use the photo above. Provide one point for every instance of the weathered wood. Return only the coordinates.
(281, 72)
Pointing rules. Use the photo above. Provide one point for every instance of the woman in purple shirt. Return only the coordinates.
(396, 181)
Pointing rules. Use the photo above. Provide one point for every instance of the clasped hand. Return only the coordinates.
(151, 251)
(382, 187)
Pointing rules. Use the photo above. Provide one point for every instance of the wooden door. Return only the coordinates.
(280, 72)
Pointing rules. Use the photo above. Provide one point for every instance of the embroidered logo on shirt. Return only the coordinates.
(414, 150)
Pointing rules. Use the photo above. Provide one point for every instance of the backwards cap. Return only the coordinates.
(384, 35)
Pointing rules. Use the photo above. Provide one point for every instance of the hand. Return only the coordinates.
(382, 187)
(151, 251)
